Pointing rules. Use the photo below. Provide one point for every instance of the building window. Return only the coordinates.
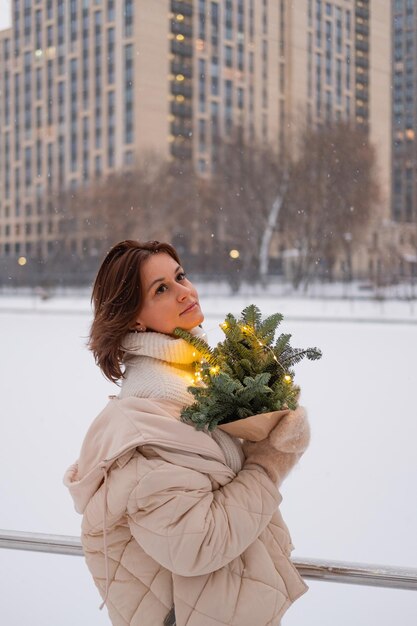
(339, 80)
(318, 23)
(98, 167)
(38, 158)
(38, 83)
(17, 181)
(328, 69)
(202, 165)
(73, 21)
(128, 18)
(348, 24)
(347, 66)
(228, 85)
(74, 149)
(61, 102)
(240, 57)
(228, 19)
(264, 97)
(128, 157)
(202, 85)
(240, 97)
(214, 76)
(61, 159)
(214, 10)
(38, 29)
(202, 135)
(27, 21)
(338, 30)
(202, 19)
(74, 91)
(328, 105)
(265, 17)
(110, 55)
(128, 122)
(214, 120)
(110, 10)
(228, 55)
(111, 127)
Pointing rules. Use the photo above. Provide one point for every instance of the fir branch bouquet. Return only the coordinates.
(246, 375)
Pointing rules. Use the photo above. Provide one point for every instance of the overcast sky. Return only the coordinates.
(5, 20)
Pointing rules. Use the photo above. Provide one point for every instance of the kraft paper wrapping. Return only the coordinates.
(254, 427)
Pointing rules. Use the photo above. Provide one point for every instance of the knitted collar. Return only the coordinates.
(155, 380)
(161, 346)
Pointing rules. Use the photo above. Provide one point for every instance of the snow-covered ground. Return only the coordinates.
(352, 497)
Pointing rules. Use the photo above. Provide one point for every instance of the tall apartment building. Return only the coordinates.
(404, 127)
(88, 86)
(340, 64)
(338, 57)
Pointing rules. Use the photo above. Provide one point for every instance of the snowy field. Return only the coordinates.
(352, 496)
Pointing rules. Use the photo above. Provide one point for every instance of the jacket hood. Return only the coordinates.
(127, 423)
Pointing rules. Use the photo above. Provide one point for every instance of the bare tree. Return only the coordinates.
(245, 189)
(333, 190)
(154, 200)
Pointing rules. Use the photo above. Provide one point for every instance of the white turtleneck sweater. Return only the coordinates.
(161, 366)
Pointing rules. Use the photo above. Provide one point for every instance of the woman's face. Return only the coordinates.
(167, 294)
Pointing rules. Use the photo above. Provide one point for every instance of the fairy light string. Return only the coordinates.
(215, 368)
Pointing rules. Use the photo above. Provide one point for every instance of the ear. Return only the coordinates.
(138, 326)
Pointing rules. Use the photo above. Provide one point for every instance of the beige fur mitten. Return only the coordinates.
(283, 448)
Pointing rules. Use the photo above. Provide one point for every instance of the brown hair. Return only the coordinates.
(117, 298)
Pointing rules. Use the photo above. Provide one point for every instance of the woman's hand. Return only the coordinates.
(283, 448)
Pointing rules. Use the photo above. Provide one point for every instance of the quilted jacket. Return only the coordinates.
(167, 522)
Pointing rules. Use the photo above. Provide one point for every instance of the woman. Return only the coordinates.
(179, 526)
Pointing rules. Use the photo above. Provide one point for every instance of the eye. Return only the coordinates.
(180, 276)
(159, 288)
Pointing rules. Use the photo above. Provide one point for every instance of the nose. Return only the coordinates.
(184, 292)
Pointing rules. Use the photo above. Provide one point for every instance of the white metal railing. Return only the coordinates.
(330, 571)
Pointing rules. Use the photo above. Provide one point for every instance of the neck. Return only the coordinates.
(159, 366)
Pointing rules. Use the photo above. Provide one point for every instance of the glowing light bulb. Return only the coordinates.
(287, 379)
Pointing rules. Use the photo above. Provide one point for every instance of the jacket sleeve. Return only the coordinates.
(190, 529)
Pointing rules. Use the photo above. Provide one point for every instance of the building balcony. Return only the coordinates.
(363, 94)
(362, 111)
(181, 110)
(185, 7)
(178, 88)
(362, 12)
(181, 48)
(362, 62)
(363, 29)
(362, 45)
(362, 79)
(181, 130)
(185, 69)
(181, 151)
(181, 28)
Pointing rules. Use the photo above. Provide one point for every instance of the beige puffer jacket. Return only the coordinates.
(166, 521)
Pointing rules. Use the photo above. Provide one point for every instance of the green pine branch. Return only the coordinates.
(245, 374)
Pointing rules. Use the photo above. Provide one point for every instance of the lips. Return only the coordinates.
(191, 307)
